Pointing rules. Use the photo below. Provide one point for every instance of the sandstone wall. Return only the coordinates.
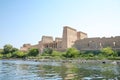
(58, 39)
(81, 35)
(59, 45)
(97, 43)
(35, 46)
(47, 39)
(25, 47)
(69, 37)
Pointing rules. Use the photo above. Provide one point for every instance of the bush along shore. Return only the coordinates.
(70, 55)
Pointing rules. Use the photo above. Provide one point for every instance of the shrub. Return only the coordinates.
(90, 55)
(9, 55)
(33, 52)
(108, 52)
(118, 52)
(1, 55)
(1, 51)
(72, 53)
(56, 53)
(20, 54)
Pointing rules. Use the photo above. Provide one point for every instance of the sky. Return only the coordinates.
(26, 21)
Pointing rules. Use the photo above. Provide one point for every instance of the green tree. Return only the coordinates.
(72, 53)
(33, 52)
(14, 50)
(7, 49)
(108, 52)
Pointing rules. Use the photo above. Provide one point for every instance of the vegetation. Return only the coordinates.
(19, 54)
(1, 55)
(108, 52)
(56, 53)
(9, 51)
(1, 51)
(71, 53)
(33, 52)
(47, 51)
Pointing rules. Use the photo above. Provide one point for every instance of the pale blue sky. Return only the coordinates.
(25, 21)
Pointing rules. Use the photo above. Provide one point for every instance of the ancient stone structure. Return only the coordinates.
(26, 47)
(73, 38)
(98, 43)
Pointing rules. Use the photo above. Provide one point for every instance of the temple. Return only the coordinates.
(73, 38)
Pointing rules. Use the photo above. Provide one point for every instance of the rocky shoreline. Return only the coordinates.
(77, 61)
(71, 61)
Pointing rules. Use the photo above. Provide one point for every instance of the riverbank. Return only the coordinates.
(105, 61)
(77, 61)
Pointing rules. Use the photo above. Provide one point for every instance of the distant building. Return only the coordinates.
(73, 38)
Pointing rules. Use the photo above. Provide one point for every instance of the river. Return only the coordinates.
(31, 70)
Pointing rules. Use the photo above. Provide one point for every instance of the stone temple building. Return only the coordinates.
(73, 38)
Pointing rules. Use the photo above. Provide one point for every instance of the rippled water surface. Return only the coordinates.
(30, 70)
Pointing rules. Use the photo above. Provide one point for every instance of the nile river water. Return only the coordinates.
(30, 70)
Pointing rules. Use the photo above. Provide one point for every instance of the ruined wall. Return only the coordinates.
(69, 37)
(58, 39)
(35, 46)
(25, 47)
(47, 39)
(43, 43)
(47, 42)
(81, 35)
(58, 43)
(98, 43)
(40, 46)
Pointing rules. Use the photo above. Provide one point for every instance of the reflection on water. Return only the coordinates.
(29, 70)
